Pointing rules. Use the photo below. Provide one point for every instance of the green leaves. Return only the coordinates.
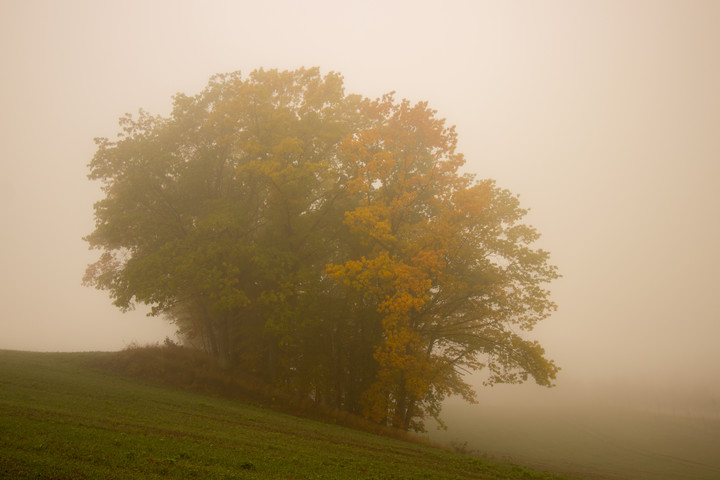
(322, 240)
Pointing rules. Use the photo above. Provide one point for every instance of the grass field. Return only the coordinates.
(62, 419)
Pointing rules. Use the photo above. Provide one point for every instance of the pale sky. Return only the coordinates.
(603, 115)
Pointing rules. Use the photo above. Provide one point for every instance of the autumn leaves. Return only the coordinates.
(324, 241)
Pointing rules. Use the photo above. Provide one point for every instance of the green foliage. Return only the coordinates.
(325, 241)
(61, 419)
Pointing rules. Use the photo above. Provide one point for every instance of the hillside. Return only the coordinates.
(63, 419)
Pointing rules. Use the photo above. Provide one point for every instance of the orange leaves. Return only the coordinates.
(399, 290)
(297, 216)
(363, 153)
(473, 201)
(403, 172)
(430, 261)
(371, 223)
(396, 287)
(405, 375)
(399, 149)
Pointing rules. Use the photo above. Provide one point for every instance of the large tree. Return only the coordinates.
(324, 241)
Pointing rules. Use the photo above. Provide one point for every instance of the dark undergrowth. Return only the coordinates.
(199, 372)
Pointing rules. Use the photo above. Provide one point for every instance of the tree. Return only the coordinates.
(443, 260)
(325, 241)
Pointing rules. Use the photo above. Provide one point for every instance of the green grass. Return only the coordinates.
(60, 418)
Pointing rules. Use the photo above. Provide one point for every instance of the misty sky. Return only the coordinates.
(603, 115)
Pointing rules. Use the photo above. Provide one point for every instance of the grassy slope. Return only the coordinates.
(60, 419)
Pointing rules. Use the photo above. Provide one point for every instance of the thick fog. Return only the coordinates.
(603, 116)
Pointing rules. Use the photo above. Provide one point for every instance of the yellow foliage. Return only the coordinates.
(231, 207)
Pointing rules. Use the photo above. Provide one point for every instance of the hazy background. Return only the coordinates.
(603, 115)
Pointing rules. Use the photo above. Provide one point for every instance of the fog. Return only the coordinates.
(603, 116)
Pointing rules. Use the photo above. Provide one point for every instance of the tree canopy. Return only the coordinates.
(324, 241)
